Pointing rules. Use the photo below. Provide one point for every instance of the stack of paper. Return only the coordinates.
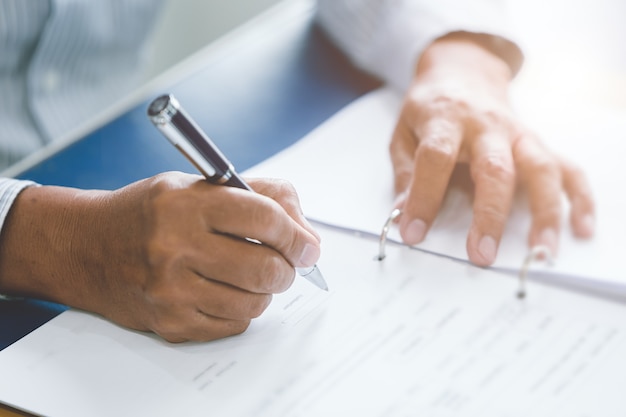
(413, 335)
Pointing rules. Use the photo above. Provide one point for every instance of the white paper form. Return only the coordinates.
(414, 334)
(348, 165)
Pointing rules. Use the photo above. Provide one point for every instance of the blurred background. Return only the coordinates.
(573, 47)
(186, 26)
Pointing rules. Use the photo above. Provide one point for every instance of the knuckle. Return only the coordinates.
(258, 304)
(267, 272)
(221, 329)
(275, 275)
(490, 214)
(172, 191)
(236, 327)
(285, 281)
(496, 167)
(545, 166)
(172, 338)
(446, 103)
(284, 187)
(287, 195)
(243, 306)
(438, 151)
(548, 212)
(164, 182)
(165, 257)
(492, 118)
(276, 188)
(263, 213)
(169, 329)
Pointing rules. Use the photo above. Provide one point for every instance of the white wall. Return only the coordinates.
(188, 25)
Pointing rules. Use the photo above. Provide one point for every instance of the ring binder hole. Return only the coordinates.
(383, 235)
(537, 253)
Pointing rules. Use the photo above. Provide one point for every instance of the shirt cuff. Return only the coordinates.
(387, 38)
(9, 190)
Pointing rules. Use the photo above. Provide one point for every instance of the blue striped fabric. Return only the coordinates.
(9, 189)
(64, 61)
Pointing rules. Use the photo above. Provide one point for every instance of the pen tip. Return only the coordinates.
(314, 276)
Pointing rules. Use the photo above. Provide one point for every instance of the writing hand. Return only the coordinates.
(166, 254)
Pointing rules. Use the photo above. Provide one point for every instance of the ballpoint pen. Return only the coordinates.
(169, 117)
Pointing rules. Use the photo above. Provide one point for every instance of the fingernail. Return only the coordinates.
(549, 238)
(309, 255)
(488, 248)
(415, 232)
(587, 226)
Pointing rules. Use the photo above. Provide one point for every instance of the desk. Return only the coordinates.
(255, 92)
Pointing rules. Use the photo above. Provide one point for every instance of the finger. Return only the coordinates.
(255, 216)
(402, 151)
(194, 325)
(578, 190)
(541, 176)
(434, 161)
(285, 194)
(206, 328)
(223, 301)
(493, 172)
(195, 308)
(239, 263)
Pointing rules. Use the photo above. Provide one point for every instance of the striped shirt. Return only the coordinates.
(61, 62)
(64, 60)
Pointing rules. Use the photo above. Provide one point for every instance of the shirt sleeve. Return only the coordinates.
(385, 37)
(9, 190)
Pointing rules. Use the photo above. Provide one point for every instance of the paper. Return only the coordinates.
(348, 165)
(414, 334)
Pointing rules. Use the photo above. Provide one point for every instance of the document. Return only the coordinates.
(353, 169)
(414, 334)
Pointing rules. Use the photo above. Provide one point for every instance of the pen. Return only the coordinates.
(169, 117)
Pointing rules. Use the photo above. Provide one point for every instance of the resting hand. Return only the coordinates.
(457, 112)
(166, 254)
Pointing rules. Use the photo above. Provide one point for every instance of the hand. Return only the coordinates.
(166, 254)
(457, 112)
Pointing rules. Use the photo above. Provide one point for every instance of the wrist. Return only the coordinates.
(463, 56)
(45, 245)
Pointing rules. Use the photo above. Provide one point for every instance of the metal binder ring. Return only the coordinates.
(540, 252)
(383, 235)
